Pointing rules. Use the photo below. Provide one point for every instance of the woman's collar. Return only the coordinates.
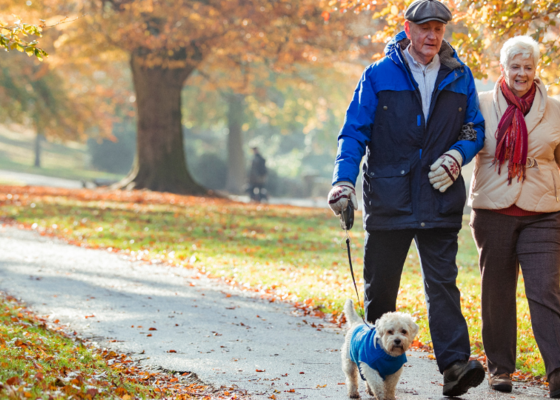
(534, 117)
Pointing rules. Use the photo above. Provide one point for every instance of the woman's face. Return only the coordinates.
(519, 74)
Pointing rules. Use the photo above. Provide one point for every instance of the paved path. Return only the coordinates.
(24, 178)
(222, 334)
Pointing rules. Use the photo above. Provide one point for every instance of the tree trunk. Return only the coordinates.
(237, 173)
(39, 137)
(160, 163)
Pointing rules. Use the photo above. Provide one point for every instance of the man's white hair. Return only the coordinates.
(525, 45)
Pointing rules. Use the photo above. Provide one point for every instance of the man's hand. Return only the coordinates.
(445, 170)
(339, 196)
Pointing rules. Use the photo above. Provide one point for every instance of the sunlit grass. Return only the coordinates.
(299, 254)
(38, 363)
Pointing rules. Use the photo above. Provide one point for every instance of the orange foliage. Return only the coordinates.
(479, 28)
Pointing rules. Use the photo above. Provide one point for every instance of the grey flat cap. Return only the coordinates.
(421, 11)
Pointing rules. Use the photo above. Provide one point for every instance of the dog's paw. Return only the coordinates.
(354, 395)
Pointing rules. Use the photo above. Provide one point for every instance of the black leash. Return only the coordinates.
(347, 222)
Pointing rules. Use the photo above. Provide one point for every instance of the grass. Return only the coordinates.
(60, 160)
(40, 363)
(287, 253)
(43, 362)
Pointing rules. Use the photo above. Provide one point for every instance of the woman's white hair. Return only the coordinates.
(525, 45)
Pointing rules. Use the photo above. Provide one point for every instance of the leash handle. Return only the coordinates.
(347, 217)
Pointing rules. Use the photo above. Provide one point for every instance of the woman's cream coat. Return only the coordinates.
(540, 191)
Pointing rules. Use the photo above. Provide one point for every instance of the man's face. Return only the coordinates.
(425, 38)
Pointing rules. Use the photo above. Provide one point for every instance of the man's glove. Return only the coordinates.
(445, 170)
(339, 196)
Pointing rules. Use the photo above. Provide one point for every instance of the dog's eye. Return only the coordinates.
(390, 332)
(403, 331)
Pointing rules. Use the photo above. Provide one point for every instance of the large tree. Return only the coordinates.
(167, 40)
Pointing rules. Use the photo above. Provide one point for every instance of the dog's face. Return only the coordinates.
(396, 332)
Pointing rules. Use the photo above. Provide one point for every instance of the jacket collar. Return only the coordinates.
(447, 54)
(535, 115)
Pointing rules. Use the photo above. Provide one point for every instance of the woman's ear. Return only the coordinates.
(502, 70)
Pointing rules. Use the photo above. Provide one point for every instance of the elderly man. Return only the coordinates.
(415, 116)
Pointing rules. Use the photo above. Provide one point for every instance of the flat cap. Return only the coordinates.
(421, 11)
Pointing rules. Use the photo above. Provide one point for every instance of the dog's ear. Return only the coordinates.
(380, 326)
(413, 327)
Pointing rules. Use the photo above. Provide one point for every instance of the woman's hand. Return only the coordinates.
(446, 170)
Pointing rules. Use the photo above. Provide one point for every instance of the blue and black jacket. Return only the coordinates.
(385, 122)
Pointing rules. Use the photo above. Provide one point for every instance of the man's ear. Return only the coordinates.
(407, 28)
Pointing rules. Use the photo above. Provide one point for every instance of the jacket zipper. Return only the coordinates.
(555, 189)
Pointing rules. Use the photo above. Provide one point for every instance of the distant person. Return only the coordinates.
(415, 116)
(257, 177)
(515, 219)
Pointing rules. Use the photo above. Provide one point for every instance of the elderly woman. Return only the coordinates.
(515, 196)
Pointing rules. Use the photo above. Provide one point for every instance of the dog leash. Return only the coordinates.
(347, 222)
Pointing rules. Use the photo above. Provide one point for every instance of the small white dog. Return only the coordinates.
(377, 354)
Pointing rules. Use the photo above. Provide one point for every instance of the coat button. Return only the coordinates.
(460, 109)
(384, 107)
(402, 172)
(462, 70)
(422, 224)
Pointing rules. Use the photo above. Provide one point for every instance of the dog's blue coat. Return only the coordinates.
(363, 349)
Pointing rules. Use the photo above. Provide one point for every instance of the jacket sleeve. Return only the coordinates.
(470, 148)
(557, 155)
(356, 131)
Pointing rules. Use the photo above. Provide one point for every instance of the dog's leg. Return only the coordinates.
(391, 384)
(350, 369)
(374, 381)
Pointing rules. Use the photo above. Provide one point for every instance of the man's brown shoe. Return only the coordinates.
(554, 384)
(461, 376)
(501, 382)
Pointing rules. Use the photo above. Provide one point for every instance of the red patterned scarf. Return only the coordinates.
(512, 135)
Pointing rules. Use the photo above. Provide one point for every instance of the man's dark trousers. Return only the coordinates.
(385, 255)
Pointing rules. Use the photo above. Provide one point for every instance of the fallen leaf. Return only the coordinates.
(14, 380)
(149, 334)
(302, 373)
(261, 370)
(172, 351)
(152, 329)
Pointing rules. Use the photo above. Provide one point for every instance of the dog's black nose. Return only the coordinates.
(397, 341)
